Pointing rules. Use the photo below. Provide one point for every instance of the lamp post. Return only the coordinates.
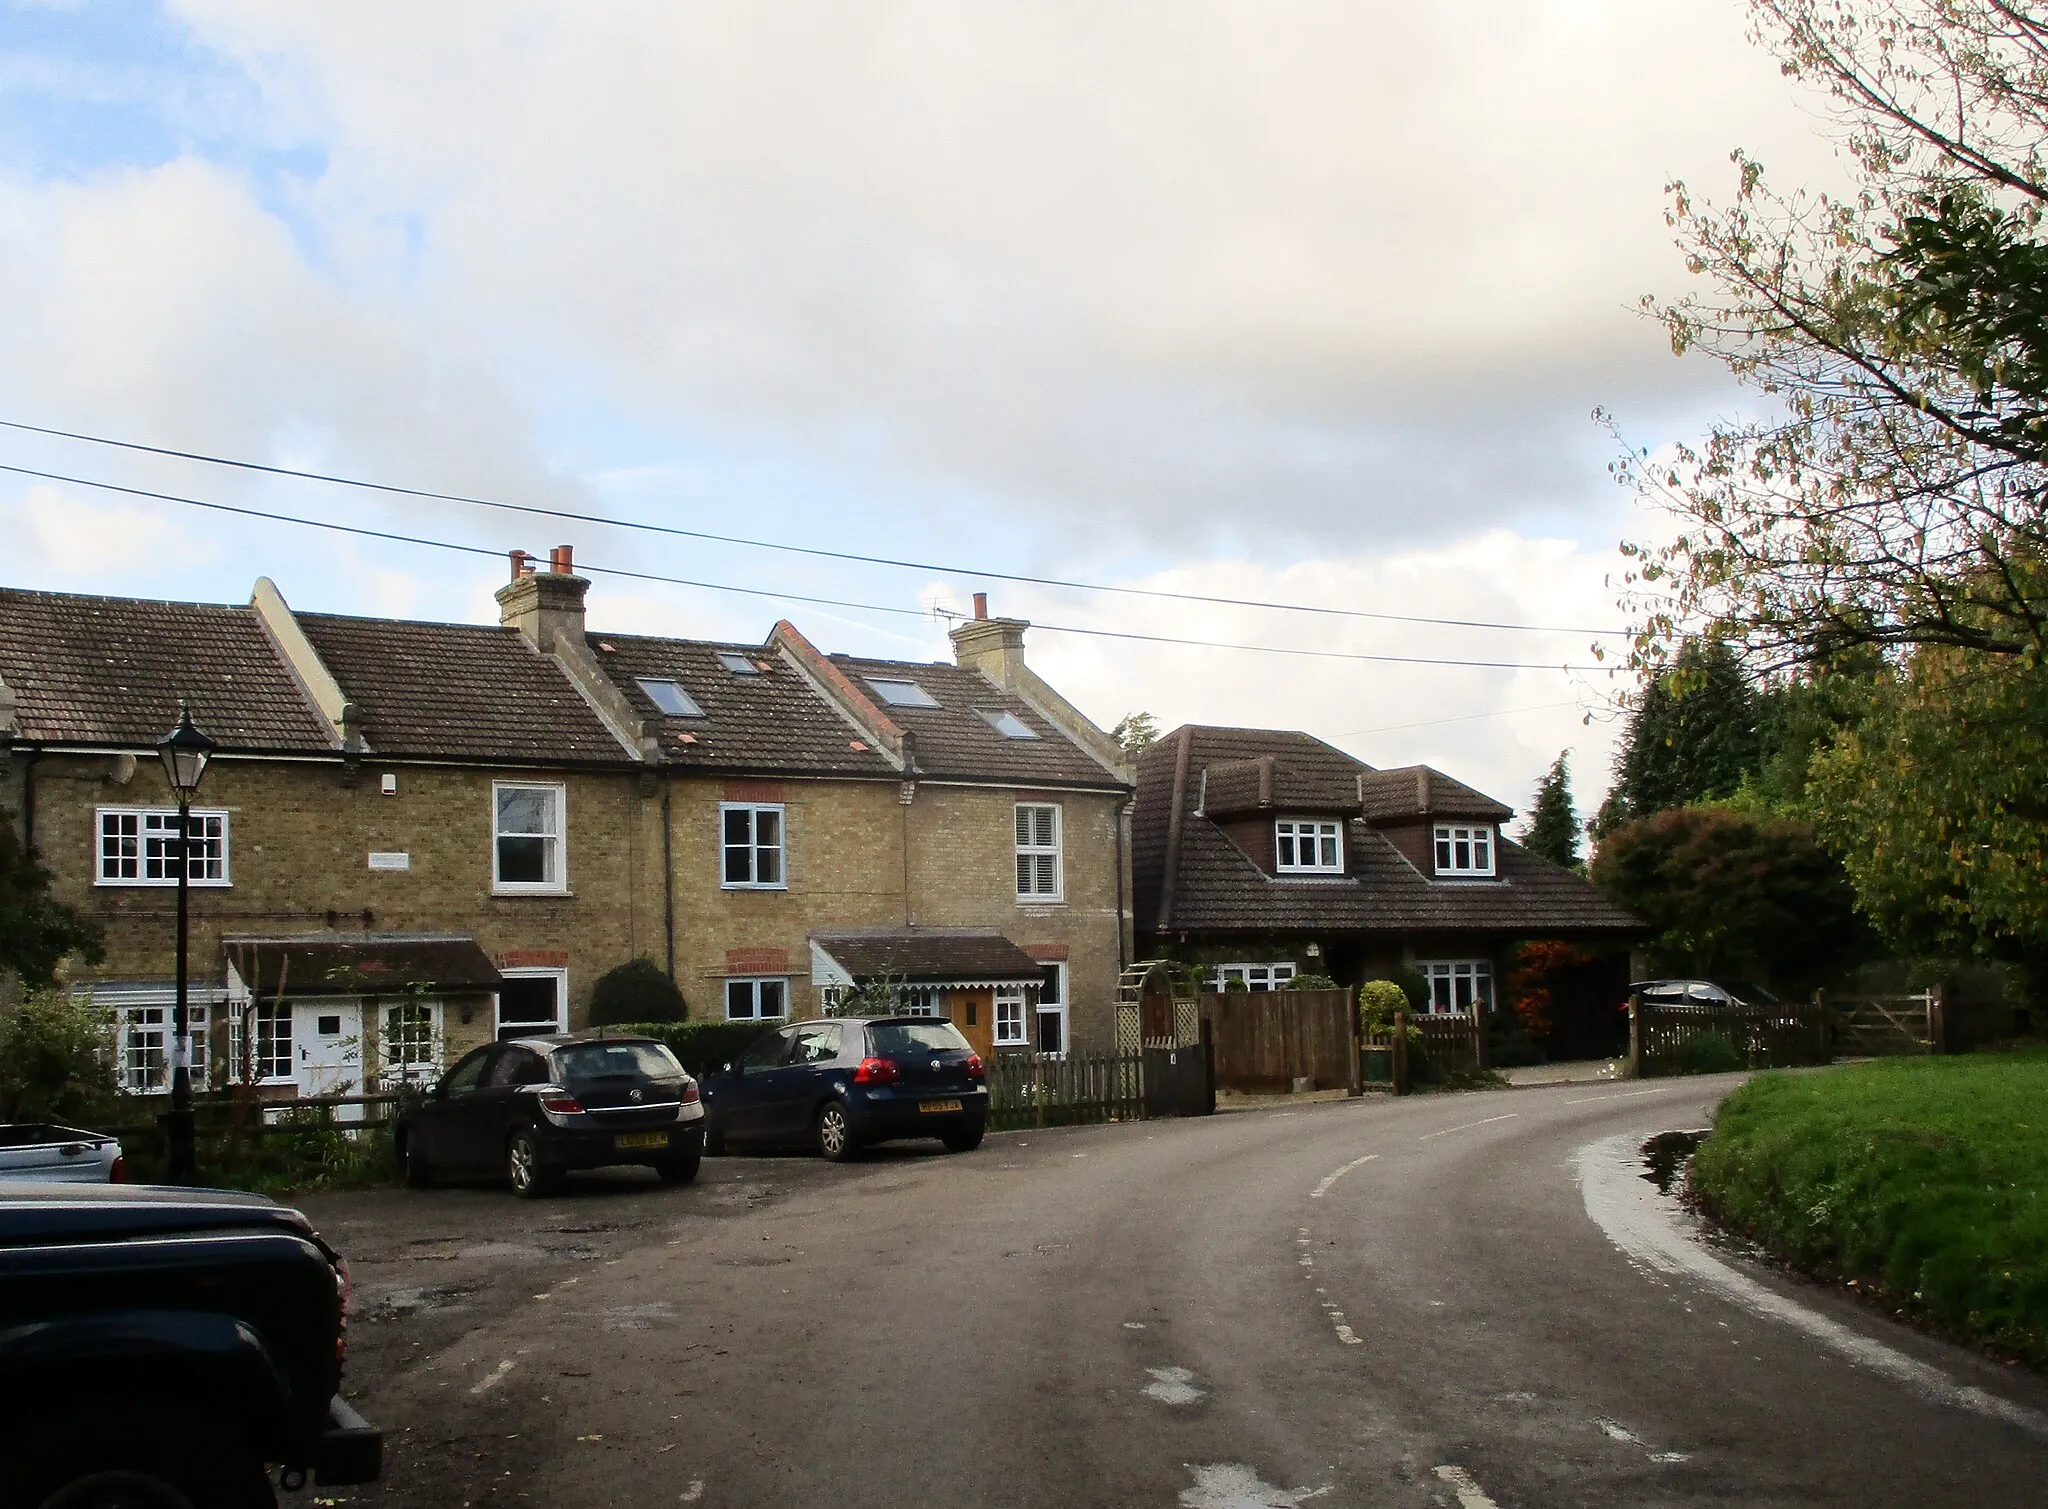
(184, 751)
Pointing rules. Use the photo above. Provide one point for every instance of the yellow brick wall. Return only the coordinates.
(300, 841)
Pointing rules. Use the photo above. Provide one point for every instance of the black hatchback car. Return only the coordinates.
(842, 1083)
(533, 1108)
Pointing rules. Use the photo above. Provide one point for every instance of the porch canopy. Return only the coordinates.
(360, 964)
(934, 958)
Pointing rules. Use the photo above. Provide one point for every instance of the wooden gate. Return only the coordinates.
(1886, 1026)
(1265, 1040)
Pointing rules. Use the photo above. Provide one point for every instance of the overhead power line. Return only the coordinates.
(818, 552)
(833, 602)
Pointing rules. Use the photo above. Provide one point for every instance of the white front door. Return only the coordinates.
(327, 1051)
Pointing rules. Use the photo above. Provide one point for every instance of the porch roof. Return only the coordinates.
(963, 957)
(347, 964)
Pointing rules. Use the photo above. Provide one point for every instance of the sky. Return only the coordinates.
(1303, 302)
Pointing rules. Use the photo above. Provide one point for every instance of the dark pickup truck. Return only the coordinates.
(165, 1348)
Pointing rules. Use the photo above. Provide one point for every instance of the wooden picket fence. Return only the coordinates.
(1768, 1037)
(1029, 1089)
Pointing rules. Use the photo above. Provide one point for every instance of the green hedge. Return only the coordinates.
(702, 1046)
(1925, 1180)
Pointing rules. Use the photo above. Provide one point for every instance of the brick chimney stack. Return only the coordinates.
(993, 646)
(545, 606)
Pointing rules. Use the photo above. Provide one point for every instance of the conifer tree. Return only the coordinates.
(1553, 831)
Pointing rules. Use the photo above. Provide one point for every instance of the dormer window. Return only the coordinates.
(1464, 851)
(1308, 847)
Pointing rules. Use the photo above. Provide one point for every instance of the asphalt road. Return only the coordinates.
(1352, 1303)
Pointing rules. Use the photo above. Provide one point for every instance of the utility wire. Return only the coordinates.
(1499, 712)
(810, 550)
(833, 602)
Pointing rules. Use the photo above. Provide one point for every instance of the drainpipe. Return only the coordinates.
(1117, 816)
(668, 873)
(28, 801)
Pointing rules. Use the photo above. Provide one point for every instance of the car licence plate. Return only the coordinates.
(640, 1139)
(939, 1105)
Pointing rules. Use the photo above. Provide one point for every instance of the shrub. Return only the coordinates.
(637, 991)
(57, 1061)
(701, 1046)
(1412, 985)
(1378, 1000)
(1312, 982)
(1708, 1053)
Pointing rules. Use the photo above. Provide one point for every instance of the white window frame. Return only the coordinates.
(558, 853)
(1030, 852)
(1056, 1007)
(753, 984)
(158, 826)
(1320, 834)
(754, 848)
(561, 978)
(1445, 976)
(1012, 1028)
(1468, 841)
(410, 1070)
(1261, 975)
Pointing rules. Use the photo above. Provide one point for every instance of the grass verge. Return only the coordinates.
(1924, 1181)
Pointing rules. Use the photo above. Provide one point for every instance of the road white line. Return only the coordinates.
(1626, 1095)
(1470, 1494)
(1635, 1218)
(1232, 1485)
(496, 1375)
(1468, 1126)
(1323, 1188)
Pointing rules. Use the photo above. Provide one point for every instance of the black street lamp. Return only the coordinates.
(184, 751)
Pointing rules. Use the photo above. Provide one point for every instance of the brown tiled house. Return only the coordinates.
(1262, 854)
(415, 835)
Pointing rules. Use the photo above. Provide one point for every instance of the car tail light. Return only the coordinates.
(560, 1103)
(118, 1174)
(877, 1071)
(976, 1069)
(689, 1094)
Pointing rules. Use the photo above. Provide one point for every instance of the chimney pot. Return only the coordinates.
(981, 605)
(519, 566)
(562, 560)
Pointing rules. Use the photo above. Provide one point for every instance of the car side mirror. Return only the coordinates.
(729, 1069)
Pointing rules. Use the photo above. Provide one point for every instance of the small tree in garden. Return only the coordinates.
(1553, 831)
(1378, 1000)
(1532, 982)
(57, 1061)
(637, 991)
(36, 932)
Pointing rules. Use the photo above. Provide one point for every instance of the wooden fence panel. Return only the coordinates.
(1265, 1040)
(1452, 1041)
(1763, 1037)
(1036, 1089)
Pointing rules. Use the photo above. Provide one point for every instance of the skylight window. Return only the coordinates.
(902, 693)
(738, 664)
(1006, 723)
(669, 697)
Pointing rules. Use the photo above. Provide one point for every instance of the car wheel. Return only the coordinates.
(179, 1462)
(528, 1175)
(966, 1140)
(679, 1170)
(835, 1133)
(419, 1174)
(118, 1489)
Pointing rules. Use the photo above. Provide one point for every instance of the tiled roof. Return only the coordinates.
(771, 721)
(1218, 888)
(110, 671)
(1276, 783)
(335, 963)
(955, 741)
(1416, 790)
(459, 691)
(927, 955)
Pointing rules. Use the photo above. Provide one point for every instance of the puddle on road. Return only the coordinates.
(1666, 1153)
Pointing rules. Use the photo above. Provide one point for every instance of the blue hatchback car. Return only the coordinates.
(840, 1084)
